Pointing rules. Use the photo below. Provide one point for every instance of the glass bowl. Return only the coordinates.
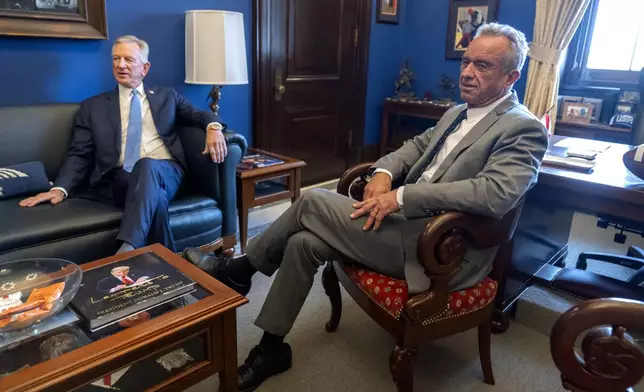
(19, 279)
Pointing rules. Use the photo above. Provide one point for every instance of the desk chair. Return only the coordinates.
(634, 259)
(636, 139)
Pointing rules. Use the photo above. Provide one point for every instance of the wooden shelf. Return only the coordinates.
(593, 131)
(603, 127)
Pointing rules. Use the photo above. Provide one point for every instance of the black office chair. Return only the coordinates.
(634, 258)
(636, 139)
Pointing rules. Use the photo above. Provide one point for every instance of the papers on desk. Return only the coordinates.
(583, 144)
(577, 164)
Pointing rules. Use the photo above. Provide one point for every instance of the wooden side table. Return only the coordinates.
(257, 187)
(422, 109)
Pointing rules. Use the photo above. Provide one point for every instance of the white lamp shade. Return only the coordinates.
(215, 48)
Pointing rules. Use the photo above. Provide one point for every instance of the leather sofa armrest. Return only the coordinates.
(215, 180)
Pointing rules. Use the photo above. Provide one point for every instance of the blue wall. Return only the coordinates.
(421, 37)
(34, 71)
(385, 55)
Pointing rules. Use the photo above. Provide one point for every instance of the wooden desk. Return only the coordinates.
(421, 109)
(609, 191)
(593, 131)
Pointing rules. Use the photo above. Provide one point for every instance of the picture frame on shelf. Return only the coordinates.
(577, 112)
(465, 18)
(79, 19)
(388, 11)
(597, 108)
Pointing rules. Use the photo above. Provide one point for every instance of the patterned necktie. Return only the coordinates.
(459, 119)
(134, 130)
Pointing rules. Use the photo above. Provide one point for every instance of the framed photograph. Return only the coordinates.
(577, 112)
(85, 19)
(387, 11)
(465, 18)
(597, 107)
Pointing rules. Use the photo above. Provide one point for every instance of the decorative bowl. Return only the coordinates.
(19, 278)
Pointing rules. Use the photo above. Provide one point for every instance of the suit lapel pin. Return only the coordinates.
(151, 91)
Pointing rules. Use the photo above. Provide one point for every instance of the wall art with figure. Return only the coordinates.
(465, 18)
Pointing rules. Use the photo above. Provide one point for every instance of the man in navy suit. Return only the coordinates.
(124, 142)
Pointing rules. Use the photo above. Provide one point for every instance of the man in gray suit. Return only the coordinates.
(481, 158)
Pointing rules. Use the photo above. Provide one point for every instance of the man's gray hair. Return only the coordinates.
(518, 43)
(130, 39)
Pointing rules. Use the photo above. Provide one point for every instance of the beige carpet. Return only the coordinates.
(355, 358)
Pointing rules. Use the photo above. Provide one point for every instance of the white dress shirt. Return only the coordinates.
(152, 145)
(474, 115)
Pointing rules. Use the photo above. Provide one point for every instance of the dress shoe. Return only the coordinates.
(204, 261)
(217, 267)
(262, 364)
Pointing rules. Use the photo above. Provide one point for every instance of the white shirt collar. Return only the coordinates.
(127, 92)
(477, 114)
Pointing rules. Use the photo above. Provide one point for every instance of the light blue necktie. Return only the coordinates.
(134, 130)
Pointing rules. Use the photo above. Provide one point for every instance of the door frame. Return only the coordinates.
(263, 78)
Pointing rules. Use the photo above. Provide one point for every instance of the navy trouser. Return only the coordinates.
(144, 194)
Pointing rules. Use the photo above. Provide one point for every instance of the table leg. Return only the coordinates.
(247, 195)
(384, 132)
(297, 183)
(228, 377)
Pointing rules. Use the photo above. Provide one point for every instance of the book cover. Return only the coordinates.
(257, 161)
(119, 290)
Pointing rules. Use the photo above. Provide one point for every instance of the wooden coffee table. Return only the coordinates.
(257, 187)
(184, 342)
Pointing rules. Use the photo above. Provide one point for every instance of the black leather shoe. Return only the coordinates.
(217, 267)
(262, 364)
(204, 261)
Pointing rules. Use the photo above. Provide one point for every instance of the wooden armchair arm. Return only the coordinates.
(442, 247)
(611, 360)
(347, 186)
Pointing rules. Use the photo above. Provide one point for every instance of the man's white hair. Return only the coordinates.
(130, 39)
(516, 59)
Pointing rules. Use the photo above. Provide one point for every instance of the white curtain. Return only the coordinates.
(554, 26)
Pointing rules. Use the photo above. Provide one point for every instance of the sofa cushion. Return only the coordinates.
(46, 222)
(190, 217)
(392, 294)
(26, 179)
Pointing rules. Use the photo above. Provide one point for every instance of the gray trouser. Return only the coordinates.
(315, 229)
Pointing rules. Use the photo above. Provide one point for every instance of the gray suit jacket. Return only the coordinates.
(487, 173)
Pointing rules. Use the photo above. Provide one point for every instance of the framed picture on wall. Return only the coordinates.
(388, 11)
(54, 18)
(465, 18)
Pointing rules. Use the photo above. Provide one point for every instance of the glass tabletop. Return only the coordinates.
(66, 332)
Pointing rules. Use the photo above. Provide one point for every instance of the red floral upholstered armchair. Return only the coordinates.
(435, 313)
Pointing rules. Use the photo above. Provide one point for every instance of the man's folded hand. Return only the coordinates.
(378, 208)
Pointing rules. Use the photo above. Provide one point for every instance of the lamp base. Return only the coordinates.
(214, 96)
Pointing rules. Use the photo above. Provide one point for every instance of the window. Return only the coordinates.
(610, 43)
(617, 42)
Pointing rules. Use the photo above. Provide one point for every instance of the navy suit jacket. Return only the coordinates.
(96, 138)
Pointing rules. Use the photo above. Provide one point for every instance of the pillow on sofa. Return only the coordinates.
(22, 179)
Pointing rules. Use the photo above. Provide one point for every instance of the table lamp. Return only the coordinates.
(215, 51)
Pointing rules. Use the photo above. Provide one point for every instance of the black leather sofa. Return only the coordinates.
(203, 214)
